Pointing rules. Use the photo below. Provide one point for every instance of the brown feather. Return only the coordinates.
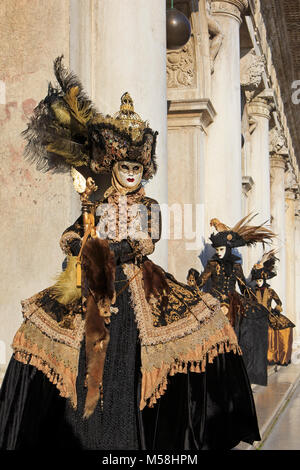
(253, 233)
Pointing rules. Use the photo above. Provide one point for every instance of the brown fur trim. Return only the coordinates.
(235, 307)
(98, 263)
(97, 339)
(99, 268)
(155, 282)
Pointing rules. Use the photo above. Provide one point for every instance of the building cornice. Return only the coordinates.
(198, 112)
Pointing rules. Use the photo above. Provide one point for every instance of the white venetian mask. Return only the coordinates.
(129, 174)
(220, 251)
(259, 282)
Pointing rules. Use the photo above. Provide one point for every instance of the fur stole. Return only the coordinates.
(99, 271)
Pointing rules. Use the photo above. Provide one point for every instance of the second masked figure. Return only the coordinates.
(221, 275)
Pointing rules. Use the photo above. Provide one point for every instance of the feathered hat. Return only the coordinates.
(66, 131)
(265, 268)
(241, 234)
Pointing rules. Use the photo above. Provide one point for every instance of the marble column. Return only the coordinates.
(290, 201)
(118, 47)
(259, 166)
(277, 198)
(223, 174)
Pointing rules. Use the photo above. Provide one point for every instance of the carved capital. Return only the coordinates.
(233, 8)
(252, 67)
(262, 104)
(278, 161)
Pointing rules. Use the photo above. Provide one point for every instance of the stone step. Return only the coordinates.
(271, 400)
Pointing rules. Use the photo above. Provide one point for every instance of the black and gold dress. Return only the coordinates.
(173, 376)
(280, 331)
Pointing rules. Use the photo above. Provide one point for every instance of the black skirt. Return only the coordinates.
(209, 410)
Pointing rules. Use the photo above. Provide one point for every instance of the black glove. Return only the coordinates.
(75, 246)
(193, 272)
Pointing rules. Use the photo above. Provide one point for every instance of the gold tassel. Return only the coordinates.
(78, 273)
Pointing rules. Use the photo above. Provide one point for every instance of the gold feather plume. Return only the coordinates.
(251, 234)
(65, 289)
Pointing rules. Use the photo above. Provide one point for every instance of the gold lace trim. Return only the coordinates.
(58, 361)
(145, 312)
(200, 336)
(70, 336)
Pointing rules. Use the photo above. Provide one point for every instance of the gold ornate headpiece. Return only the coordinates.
(123, 136)
(66, 130)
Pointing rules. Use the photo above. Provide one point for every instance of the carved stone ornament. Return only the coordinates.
(247, 183)
(277, 142)
(181, 66)
(290, 180)
(252, 67)
(215, 35)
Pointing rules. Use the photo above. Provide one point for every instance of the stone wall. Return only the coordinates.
(35, 207)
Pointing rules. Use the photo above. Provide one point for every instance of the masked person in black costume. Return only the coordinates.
(117, 354)
(280, 331)
(224, 271)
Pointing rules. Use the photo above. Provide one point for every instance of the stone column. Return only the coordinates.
(223, 176)
(290, 198)
(259, 166)
(118, 47)
(277, 198)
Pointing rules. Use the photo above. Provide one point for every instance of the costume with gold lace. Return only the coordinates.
(167, 350)
(280, 331)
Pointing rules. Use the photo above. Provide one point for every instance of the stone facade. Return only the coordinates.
(248, 153)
